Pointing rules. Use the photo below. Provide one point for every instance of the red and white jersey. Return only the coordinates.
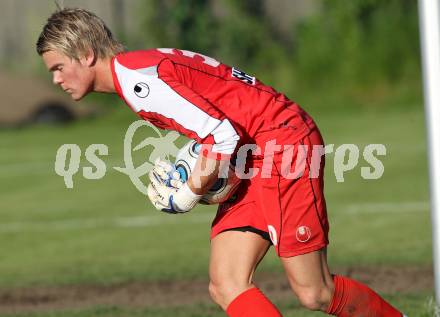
(204, 99)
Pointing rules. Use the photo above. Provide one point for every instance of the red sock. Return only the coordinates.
(355, 299)
(252, 303)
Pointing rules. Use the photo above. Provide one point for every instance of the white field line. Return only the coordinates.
(387, 207)
(115, 222)
(20, 169)
(205, 218)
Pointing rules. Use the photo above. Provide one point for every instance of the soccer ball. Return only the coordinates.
(224, 187)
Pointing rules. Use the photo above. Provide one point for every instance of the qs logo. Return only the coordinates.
(68, 157)
(163, 146)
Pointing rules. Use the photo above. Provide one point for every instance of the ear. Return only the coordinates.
(89, 59)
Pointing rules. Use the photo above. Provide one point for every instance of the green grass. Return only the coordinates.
(104, 231)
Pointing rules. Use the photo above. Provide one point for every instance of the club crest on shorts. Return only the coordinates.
(273, 234)
(303, 234)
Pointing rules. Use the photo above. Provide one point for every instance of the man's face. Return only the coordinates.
(74, 77)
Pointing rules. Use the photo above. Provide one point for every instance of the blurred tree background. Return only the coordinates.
(362, 53)
(324, 54)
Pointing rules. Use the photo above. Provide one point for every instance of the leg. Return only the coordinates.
(310, 279)
(239, 240)
(316, 289)
(234, 258)
(297, 220)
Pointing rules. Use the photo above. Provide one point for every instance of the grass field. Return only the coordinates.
(63, 247)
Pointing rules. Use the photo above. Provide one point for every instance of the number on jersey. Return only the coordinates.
(243, 76)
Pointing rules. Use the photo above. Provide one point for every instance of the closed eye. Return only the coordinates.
(56, 67)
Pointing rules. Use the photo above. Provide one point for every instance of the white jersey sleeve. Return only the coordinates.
(172, 105)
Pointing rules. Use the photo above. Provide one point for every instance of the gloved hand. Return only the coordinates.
(168, 198)
(167, 172)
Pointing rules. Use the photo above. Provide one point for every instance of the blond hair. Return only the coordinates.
(75, 32)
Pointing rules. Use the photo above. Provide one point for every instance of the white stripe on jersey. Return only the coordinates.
(144, 90)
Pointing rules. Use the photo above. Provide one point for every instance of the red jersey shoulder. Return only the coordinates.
(189, 58)
(146, 58)
(140, 59)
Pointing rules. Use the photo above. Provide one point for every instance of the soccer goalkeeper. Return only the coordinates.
(224, 108)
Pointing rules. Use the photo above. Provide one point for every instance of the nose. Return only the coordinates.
(57, 78)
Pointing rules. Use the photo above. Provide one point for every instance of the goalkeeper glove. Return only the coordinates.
(168, 173)
(166, 197)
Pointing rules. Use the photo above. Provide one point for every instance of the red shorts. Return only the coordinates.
(285, 202)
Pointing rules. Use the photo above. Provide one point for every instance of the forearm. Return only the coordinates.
(204, 175)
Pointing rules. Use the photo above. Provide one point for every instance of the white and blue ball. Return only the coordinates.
(224, 187)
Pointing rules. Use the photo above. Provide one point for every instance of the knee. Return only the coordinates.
(215, 292)
(315, 298)
(225, 291)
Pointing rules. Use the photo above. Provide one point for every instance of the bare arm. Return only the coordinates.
(204, 175)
